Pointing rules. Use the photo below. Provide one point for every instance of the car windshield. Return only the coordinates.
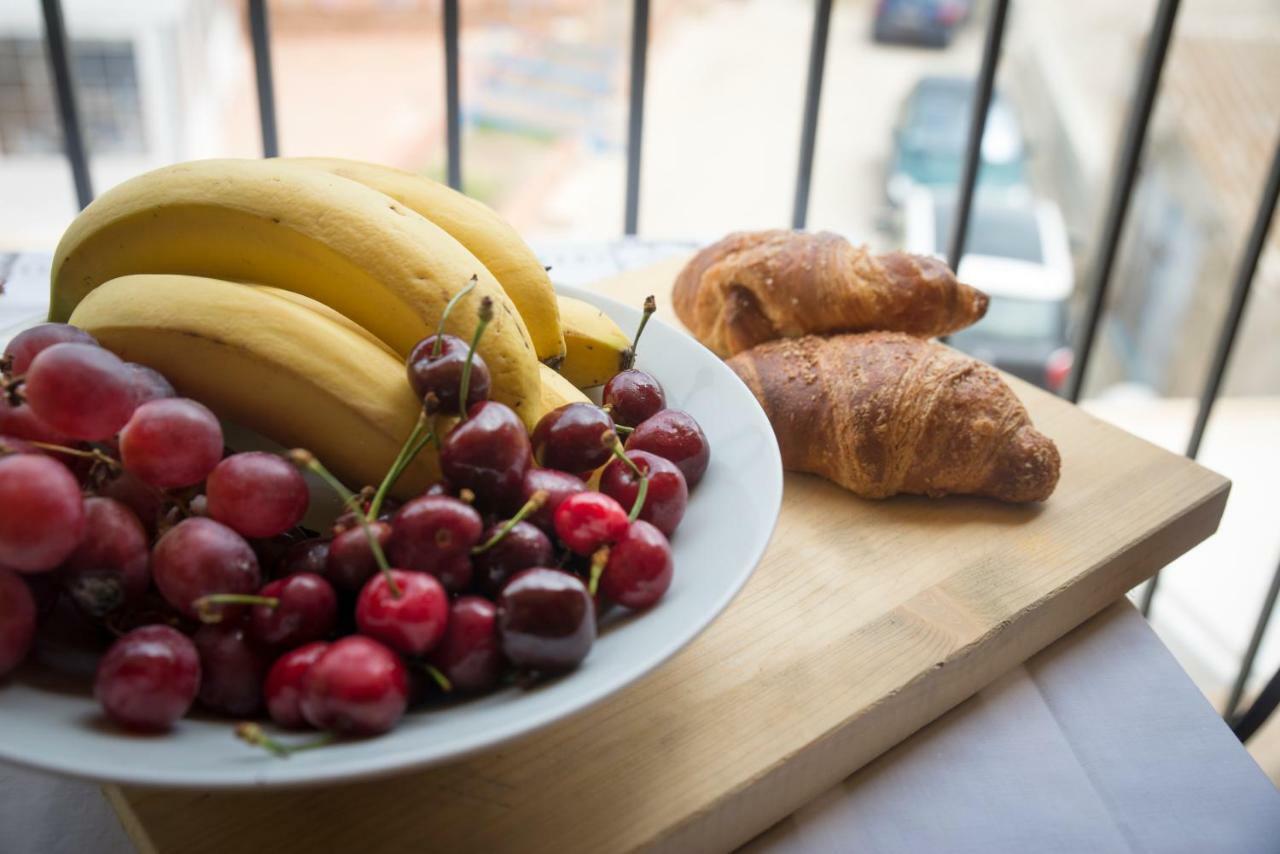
(993, 231)
(1012, 317)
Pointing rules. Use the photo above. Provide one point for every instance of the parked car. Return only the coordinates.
(1017, 252)
(930, 135)
(931, 23)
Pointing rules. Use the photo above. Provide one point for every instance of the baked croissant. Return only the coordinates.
(885, 413)
(756, 286)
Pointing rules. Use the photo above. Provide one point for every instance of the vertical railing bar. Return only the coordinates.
(1255, 643)
(977, 124)
(260, 36)
(453, 112)
(812, 97)
(635, 112)
(1135, 134)
(1227, 337)
(1252, 719)
(55, 37)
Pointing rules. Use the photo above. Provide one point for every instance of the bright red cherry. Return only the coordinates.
(639, 569)
(557, 485)
(356, 687)
(283, 688)
(589, 520)
(410, 619)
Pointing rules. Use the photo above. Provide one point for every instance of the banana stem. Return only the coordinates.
(304, 459)
(408, 453)
(486, 315)
(650, 306)
(207, 606)
(470, 286)
(534, 503)
(251, 733)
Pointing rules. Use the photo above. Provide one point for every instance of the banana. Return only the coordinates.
(269, 364)
(324, 310)
(479, 228)
(361, 253)
(557, 391)
(596, 348)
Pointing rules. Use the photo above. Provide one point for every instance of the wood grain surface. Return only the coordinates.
(865, 621)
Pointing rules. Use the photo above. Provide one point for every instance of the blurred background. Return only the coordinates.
(543, 92)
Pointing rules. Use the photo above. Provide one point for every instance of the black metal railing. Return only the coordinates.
(1123, 180)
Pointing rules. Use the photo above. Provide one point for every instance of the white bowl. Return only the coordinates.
(47, 724)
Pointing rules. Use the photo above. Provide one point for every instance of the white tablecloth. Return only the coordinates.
(1101, 743)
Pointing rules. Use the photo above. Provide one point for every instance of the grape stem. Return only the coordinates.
(534, 503)
(417, 440)
(464, 386)
(251, 733)
(598, 561)
(444, 315)
(643, 491)
(207, 606)
(93, 454)
(304, 459)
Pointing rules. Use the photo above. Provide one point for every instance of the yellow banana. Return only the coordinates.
(557, 391)
(324, 310)
(269, 364)
(479, 228)
(352, 248)
(596, 348)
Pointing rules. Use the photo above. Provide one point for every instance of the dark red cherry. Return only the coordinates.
(558, 486)
(639, 569)
(309, 555)
(351, 562)
(435, 534)
(231, 668)
(441, 373)
(489, 454)
(523, 546)
(674, 435)
(576, 437)
(411, 619)
(546, 620)
(633, 396)
(356, 687)
(666, 497)
(283, 688)
(589, 520)
(470, 656)
(307, 611)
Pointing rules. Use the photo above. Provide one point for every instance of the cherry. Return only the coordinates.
(356, 687)
(110, 566)
(42, 517)
(674, 435)
(29, 343)
(17, 621)
(435, 534)
(576, 437)
(348, 519)
(546, 620)
(231, 669)
(489, 454)
(469, 655)
(440, 374)
(351, 562)
(639, 568)
(257, 494)
(200, 557)
(283, 688)
(310, 555)
(409, 616)
(557, 485)
(520, 548)
(633, 396)
(666, 497)
(306, 610)
(148, 679)
(589, 520)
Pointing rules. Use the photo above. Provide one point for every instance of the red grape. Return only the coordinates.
(17, 620)
(109, 567)
(41, 513)
(171, 442)
(146, 501)
(148, 383)
(81, 390)
(22, 423)
(231, 669)
(149, 678)
(29, 343)
(257, 494)
(199, 557)
(356, 687)
(283, 688)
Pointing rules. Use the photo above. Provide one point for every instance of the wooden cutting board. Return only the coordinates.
(865, 621)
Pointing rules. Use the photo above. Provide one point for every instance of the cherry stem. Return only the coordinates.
(207, 606)
(93, 454)
(643, 491)
(641, 494)
(598, 561)
(650, 306)
(251, 733)
(622, 428)
(304, 459)
(534, 503)
(444, 315)
(466, 496)
(438, 677)
(485, 316)
(408, 453)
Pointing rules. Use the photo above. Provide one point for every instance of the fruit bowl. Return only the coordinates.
(56, 726)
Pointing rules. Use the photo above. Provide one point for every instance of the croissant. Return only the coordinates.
(756, 286)
(885, 413)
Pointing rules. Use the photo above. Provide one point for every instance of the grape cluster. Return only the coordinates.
(125, 524)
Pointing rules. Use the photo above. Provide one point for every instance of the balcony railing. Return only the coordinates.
(1101, 268)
